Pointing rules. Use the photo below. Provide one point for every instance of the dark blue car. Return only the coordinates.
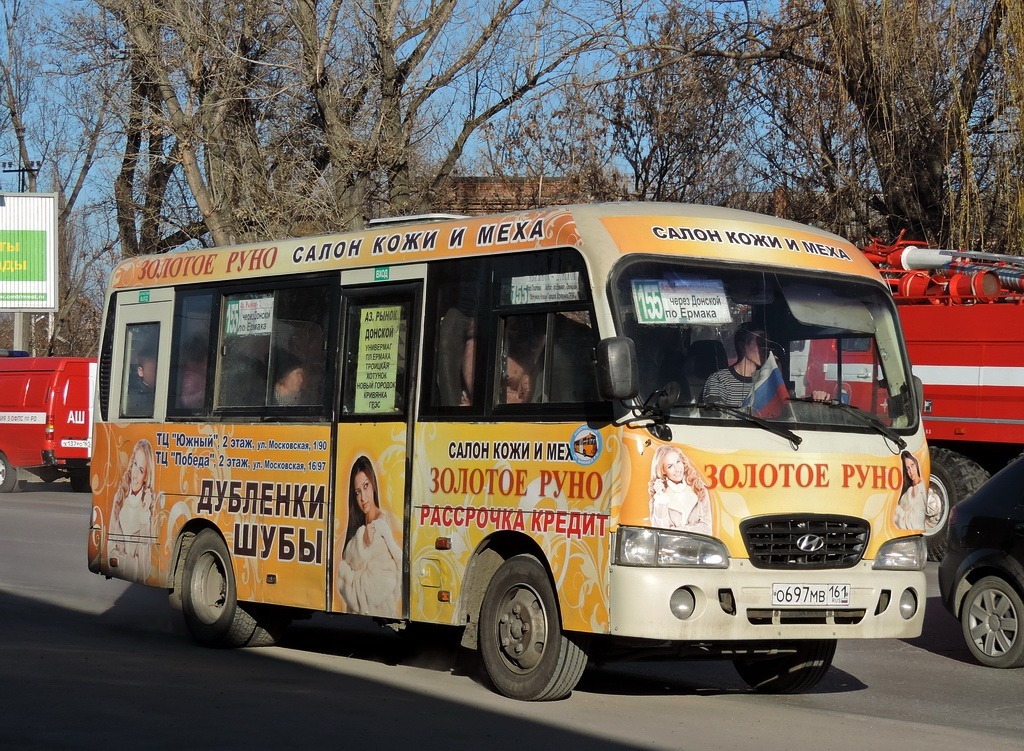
(982, 574)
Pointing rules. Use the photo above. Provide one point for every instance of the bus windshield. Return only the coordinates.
(801, 350)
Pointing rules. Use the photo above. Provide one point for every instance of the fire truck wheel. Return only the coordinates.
(790, 672)
(524, 651)
(8, 476)
(213, 615)
(953, 478)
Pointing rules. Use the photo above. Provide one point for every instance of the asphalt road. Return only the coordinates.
(88, 663)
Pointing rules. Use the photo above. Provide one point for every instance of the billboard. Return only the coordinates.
(28, 251)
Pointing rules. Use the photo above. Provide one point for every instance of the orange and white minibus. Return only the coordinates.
(571, 433)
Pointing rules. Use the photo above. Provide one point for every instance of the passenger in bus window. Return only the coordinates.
(192, 393)
(369, 573)
(289, 381)
(456, 358)
(142, 384)
(679, 496)
(131, 520)
(522, 360)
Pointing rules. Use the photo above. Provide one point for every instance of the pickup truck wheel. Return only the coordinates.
(8, 476)
(80, 481)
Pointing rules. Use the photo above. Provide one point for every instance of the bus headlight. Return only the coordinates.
(655, 547)
(904, 554)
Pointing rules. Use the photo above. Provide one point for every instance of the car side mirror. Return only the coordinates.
(617, 377)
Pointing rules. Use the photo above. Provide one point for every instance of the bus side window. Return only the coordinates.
(521, 355)
(140, 369)
(192, 343)
(573, 376)
(299, 347)
(456, 359)
(458, 289)
(245, 352)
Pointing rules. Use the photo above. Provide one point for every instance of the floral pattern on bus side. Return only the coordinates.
(472, 482)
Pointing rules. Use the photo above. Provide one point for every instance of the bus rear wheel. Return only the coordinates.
(524, 651)
(793, 671)
(212, 612)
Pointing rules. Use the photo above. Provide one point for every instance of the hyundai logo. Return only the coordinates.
(811, 543)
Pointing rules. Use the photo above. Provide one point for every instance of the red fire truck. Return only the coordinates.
(962, 314)
(45, 418)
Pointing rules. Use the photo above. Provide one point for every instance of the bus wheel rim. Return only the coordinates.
(522, 629)
(210, 589)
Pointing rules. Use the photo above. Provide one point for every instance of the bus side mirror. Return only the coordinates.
(919, 391)
(617, 376)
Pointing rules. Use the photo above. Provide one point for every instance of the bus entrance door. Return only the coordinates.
(373, 450)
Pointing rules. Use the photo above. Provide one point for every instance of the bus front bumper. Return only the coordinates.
(692, 604)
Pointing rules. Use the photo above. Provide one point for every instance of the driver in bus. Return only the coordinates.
(731, 385)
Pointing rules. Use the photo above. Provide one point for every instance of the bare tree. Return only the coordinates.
(64, 127)
(555, 149)
(923, 80)
(675, 120)
(269, 117)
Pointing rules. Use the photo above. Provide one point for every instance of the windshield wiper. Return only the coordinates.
(778, 430)
(865, 417)
(657, 408)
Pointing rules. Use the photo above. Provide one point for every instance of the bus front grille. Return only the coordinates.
(805, 542)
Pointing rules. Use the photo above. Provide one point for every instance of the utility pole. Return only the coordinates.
(30, 168)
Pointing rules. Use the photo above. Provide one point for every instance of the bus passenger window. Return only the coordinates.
(573, 375)
(458, 289)
(299, 347)
(456, 359)
(140, 368)
(192, 346)
(248, 320)
(521, 366)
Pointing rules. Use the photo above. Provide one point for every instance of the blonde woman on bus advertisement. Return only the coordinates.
(911, 509)
(679, 497)
(131, 522)
(369, 573)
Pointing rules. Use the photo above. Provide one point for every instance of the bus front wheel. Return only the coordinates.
(792, 671)
(524, 651)
(212, 612)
